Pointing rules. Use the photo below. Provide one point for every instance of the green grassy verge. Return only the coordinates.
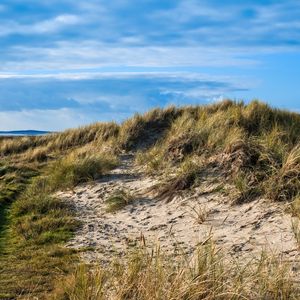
(37, 224)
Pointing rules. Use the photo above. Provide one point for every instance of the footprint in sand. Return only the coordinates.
(163, 220)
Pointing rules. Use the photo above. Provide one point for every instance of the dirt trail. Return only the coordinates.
(241, 230)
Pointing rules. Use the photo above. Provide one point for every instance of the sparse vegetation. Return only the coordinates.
(199, 213)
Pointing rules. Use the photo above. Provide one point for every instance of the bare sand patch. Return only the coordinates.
(180, 225)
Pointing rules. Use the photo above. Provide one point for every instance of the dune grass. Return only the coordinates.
(33, 253)
(79, 167)
(38, 224)
(149, 276)
(252, 147)
(39, 147)
(255, 145)
(142, 131)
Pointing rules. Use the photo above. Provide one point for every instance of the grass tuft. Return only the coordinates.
(80, 167)
(118, 200)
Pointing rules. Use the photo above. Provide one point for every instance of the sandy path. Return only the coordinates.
(241, 230)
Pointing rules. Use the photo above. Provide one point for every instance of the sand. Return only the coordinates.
(180, 225)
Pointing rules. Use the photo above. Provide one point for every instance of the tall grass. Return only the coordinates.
(59, 142)
(150, 276)
(144, 130)
(254, 145)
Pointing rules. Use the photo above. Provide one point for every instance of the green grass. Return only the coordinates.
(13, 182)
(32, 256)
(77, 168)
(37, 224)
(3, 226)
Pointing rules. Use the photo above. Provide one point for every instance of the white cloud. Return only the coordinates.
(47, 26)
(91, 54)
(54, 24)
(189, 9)
(53, 120)
(240, 82)
(192, 33)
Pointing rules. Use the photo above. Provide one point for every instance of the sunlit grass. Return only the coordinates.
(206, 275)
(252, 148)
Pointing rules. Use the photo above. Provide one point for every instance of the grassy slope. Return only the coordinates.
(36, 223)
(253, 145)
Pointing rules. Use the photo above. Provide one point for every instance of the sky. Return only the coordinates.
(66, 63)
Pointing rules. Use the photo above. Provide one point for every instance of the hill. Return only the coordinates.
(201, 202)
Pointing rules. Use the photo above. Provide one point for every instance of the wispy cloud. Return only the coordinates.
(102, 96)
(128, 33)
(90, 54)
(107, 59)
(54, 120)
(42, 27)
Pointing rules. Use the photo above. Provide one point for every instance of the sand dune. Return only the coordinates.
(242, 231)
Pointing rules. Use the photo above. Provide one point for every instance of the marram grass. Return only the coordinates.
(144, 275)
(252, 147)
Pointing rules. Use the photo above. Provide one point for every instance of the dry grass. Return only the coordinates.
(199, 213)
(296, 230)
(32, 147)
(254, 145)
(142, 131)
(150, 276)
(186, 176)
(285, 183)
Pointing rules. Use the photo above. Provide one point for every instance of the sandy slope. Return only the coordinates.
(241, 230)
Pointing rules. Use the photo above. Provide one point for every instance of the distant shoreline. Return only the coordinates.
(16, 133)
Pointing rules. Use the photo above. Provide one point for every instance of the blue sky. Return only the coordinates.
(68, 63)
